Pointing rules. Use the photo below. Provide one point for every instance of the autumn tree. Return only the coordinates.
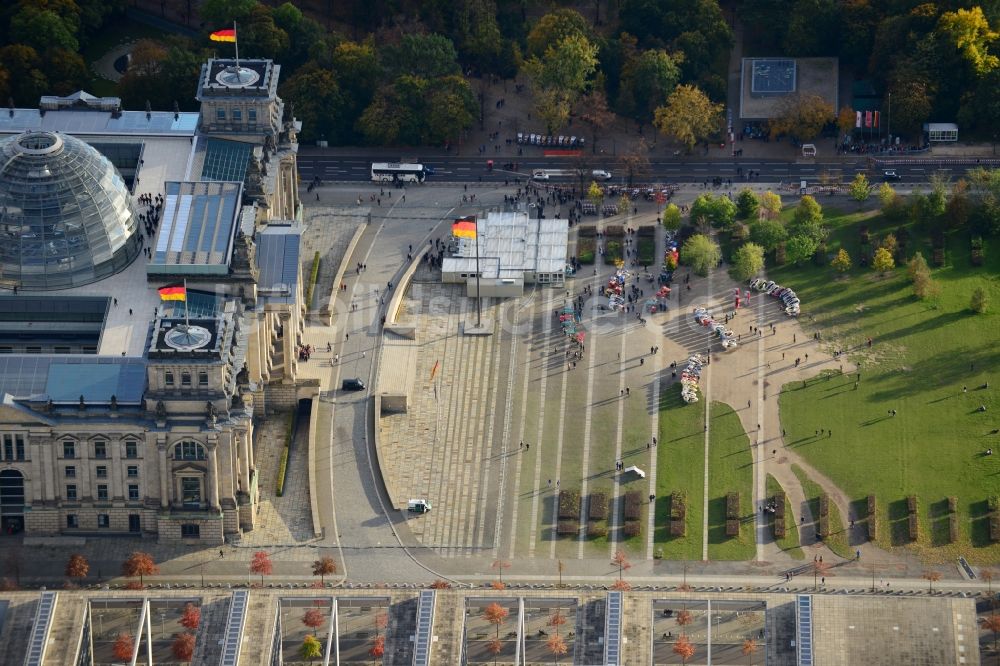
(595, 112)
(801, 116)
(620, 560)
(647, 79)
(494, 647)
(500, 565)
(440, 584)
(770, 205)
(688, 117)
(684, 648)
(969, 31)
(595, 194)
(842, 262)
(671, 217)
(886, 195)
(495, 614)
(313, 618)
(988, 575)
(701, 253)
(139, 564)
(860, 188)
(992, 623)
(931, 577)
(190, 617)
(377, 650)
(312, 648)
(883, 261)
(323, 567)
(635, 162)
(261, 565)
(554, 27)
(684, 617)
(846, 120)
(557, 620)
(560, 76)
(750, 646)
(959, 206)
(77, 566)
(124, 647)
(183, 647)
(748, 260)
(557, 645)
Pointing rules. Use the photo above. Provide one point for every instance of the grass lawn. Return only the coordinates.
(613, 251)
(646, 255)
(730, 470)
(923, 354)
(837, 541)
(790, 544)
(680, 465)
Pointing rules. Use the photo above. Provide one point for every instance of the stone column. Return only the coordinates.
(117, 492)
(161, 447)
(35, 453)
(288, 345)
(244, 449)
(213, 475)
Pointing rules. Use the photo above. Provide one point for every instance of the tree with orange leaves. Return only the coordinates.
(749, 647)
(621, 586)
(183, 647)
(500, 565)
(77, 566)
(684, 618)
(261, 565)
(495, 647)
(139, 564)
(683, 648)
(931, 577)
(440, 585)
(323, 567)
(377, 650)
(191, 617)
(495, 614)
(557, 645)
(313, 618)
(620, 560)
(992, 623)
(124, 647)
(557, 620)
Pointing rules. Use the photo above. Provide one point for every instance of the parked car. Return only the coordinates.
(353, 385)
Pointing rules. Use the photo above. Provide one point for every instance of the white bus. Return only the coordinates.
(390, 172)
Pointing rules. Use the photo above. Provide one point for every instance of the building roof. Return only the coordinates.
(196, 234)
(278, 249)
(89, 122)
(220, 77)
(63, 379)
(65, 212)
(510, 244)
(225, 160)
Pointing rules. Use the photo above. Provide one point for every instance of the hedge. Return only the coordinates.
(632, 528)
(952, 504)
(952, 528)
(598, 506)
(585, 250)
(824, 527)
(732, 527)
(993, 502)
(313, 276)
(871, 506)
(824, 505)
(613, 252)
(779, 504)
(678, 512)
(911, 503)
(568, 527)
(633, 505)
(914, 527)
(995, 527)
(569, 505)
(732, 506)
(872, 518)
(597, 529)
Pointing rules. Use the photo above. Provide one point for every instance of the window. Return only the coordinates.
(70, 471)
(133, 492)
(220, 115)
(168, 378)
(32, 350)
(63, 349)
(69, 449)
(8, 447)
(101, 471)
(103, 520)
(6, 349)
(71, 492)
(132, 471)
(186, 379)
(203, 380)
(189, 531)
(252, 115)
(72, 522)
(191, 492)
(189, 451)
(100, 449)
(102, 492)
(237, 115)
(19, 446)
(131, 449)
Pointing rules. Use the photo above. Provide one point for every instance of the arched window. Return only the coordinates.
(189, 451)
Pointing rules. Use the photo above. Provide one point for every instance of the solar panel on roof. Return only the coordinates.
(38, 640)
(233, 637)
(225, 160)
(425, 623)
(803, 629)
(613, 629)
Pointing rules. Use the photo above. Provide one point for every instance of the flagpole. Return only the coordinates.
(479, 295)
(187, 323)
(236, 41)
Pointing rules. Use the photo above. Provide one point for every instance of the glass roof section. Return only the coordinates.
(65, 214)
(226, 160)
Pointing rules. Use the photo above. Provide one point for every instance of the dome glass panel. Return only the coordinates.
(65, 213)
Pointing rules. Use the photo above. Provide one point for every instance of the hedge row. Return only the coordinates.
(285, 452)
(952, 528)
(872, 518)
(952, 504)
(568, 527)
(598, 506)
(993, 503)
(678, 513)
(732, 506)
(569, 505)
(632, 528)
(824, 526)
(824, 505)
(911, 503)
(313, 276)
(633, 505)
(914, 524)
(597, 529)
(779, 526)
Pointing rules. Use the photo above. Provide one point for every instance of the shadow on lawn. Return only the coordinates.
(940, 369)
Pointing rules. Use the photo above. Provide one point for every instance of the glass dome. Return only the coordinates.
(65, 213)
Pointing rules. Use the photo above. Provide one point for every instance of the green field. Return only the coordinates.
(680, 465)
(730, 470)
(930, 361)
(837, 541)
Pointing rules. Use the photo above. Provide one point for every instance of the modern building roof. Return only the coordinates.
(196, 234)
(225, 160)
(278, 250)
(63, 379)
(65, 213)
(89, 122)
(511, 244)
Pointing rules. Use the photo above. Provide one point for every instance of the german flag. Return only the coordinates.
(223, 35)
(464, 228)
(173, 292)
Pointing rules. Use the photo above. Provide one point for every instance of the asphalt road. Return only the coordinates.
(451, 169)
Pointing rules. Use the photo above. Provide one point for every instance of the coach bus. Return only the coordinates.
(391, 172)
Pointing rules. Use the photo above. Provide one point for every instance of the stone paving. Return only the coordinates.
(328, 231)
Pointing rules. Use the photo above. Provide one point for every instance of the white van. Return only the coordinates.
(418, 506)
(539, 174)
(600, 174)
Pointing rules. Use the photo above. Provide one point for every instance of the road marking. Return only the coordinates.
(524, 413)
(613, 526)
(546, 332)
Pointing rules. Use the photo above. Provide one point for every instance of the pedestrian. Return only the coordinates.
(527, 447)
(748, 404)
(628, 391)
(221, 554)
(363, 354)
